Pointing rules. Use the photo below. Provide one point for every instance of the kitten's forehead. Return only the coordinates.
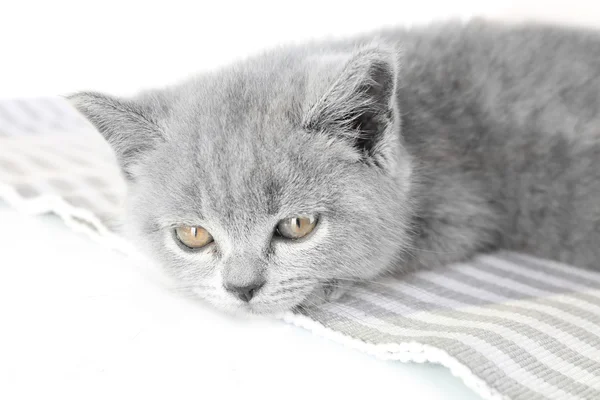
(239, 175)
(254, 95)
(236, 147)
(240, 197)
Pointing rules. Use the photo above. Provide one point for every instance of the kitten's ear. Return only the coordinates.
(129, 127)
(360, 106)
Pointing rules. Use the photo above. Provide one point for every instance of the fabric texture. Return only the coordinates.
(510, 325)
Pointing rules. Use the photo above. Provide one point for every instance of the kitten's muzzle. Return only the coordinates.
(245, 293)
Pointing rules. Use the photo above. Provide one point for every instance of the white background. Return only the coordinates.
(82, 323)
(119, 46)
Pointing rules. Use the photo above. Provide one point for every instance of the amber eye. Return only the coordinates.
(296, 227)
(194, 237)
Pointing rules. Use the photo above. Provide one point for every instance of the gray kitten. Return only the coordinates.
(278, 180)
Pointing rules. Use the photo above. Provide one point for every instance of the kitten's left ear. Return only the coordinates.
(130, 127)
(361, 107)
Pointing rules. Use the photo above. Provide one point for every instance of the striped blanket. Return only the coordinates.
(511, 326)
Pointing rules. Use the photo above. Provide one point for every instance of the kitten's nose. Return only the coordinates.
(245, 293)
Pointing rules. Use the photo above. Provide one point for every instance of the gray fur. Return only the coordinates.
(415, 147)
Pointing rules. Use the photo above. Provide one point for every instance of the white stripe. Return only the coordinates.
(528, 290)
(20, 117)
(511, 267)
(47, 115)
(5, 123)
(71, 118)
(87, 147)
(556, 266)
(32, 109)
(15, 150)
(566, 338)
(545, 357)
(496, 356)
(52, 149)
(68, 110)
(453, 283)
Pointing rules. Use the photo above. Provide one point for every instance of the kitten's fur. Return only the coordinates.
(415, 147)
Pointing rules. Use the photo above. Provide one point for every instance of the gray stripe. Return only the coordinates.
(547, 342)
(589, 337)
(43, 119)
(6, 122)
(52, 105)
(549, 279)
(513, 350)
(11, 167)
(477, 362)
(540, 266)
(547, 287)
(16, 123)
(66, 113)
(566, 370)
(5, 115)
(67, 153)
(27, 109)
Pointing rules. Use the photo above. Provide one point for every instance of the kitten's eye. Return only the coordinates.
(194, 237)
(296, 227)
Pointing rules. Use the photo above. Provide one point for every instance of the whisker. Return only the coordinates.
(292, 288)
(295, 278)
(352, 280)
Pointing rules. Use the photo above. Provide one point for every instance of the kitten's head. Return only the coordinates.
(260, 184)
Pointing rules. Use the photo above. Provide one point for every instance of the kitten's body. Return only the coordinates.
(505, 124)
(423, 149)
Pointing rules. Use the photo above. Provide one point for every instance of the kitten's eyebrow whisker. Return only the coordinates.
(283, 298)
(289, 289)
(296, 278)
(363, 281)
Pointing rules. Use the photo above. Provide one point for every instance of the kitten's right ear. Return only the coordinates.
(360, 105)
(129, 127)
